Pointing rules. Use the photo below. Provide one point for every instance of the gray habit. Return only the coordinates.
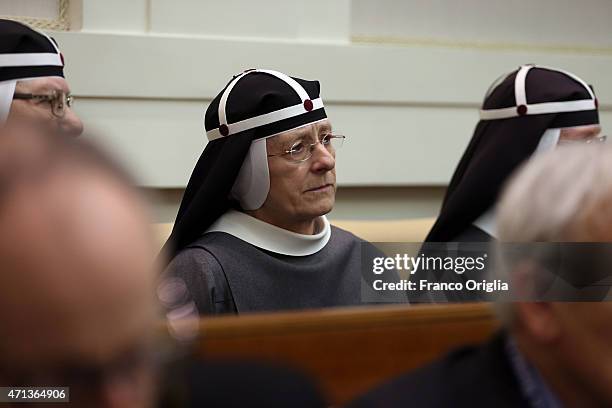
(225, 274)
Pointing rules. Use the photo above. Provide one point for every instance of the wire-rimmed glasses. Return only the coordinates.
(59, 100)
(301, 150)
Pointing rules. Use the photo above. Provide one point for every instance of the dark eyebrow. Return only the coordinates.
(48, 88)
(281, 143)
(325, 128)
(301, 134)
(596, 132)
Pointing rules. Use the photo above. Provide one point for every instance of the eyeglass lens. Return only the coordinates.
(301, 150)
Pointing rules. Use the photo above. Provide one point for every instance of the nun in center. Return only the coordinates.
(251, 232)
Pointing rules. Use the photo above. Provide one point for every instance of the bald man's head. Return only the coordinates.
(76, 288)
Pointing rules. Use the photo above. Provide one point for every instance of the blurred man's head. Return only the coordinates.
(32, 85)
(76, 305)
(563, 196)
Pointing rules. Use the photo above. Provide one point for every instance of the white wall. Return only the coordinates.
(526, 23)
(47, 9)
(409, 111)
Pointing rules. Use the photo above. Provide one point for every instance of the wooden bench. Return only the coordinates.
(349, 350)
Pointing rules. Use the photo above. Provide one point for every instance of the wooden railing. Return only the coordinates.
(350, 350)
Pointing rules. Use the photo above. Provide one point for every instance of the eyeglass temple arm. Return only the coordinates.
(18, 95)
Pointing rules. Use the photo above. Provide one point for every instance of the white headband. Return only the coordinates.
(226, 129)
(523, 108)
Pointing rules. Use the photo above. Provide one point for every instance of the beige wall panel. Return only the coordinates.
(188, 67)
(314, 20)
(119, 16)
(560, 23)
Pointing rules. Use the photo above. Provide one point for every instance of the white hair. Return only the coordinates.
(550, 197)
(564, 195)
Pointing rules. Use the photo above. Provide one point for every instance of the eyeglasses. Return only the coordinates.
(58, 100)
(598, 139)
(301, 150)
(590, 140)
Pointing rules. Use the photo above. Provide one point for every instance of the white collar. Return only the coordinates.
(270, 237)
(487, 223)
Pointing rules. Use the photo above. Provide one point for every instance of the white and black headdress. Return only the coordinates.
(522, 112)
(233, 170)
(24, 54)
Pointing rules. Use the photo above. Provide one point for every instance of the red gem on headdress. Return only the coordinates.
(224, 130)
(308, 105)
(521, 110)
(62, 58)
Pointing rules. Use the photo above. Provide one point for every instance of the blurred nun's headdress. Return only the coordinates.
(24, 54)
(522, 112)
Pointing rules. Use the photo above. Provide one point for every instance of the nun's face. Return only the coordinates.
(302, 191)
(44, 112)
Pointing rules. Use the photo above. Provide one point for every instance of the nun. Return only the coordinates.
(33, 89)
(251, 232)
(528, 111)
